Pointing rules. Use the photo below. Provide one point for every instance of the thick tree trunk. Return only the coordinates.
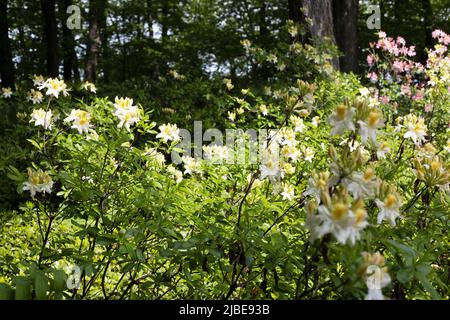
(320, 12)
(94, 45)
(345, 16)
(69, 54)
(50, 36)
(6, 63)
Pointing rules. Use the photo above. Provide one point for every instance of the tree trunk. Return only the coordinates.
(50, 37)
(164, 20)
(69, 54)
(96, 17)
(6, 63)
(428, 25)
(297, 15)
(345, 16)
(263, 31)
(150, 19)
(320, 12)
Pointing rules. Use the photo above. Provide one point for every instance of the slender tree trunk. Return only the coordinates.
(398, 16)
(6, 63)
(345, 16)
(50, 36)
(150, 19)
(263, 31)
(428, 24)
(164, 20)
(94, 45)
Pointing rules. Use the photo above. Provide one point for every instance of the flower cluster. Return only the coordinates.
(38, 181)
(35, 96)
(81, 120)
(54, 87)
(169, 132)
(127, 113)
(43, 118)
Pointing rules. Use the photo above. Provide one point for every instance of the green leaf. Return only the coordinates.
(35, 144)
(59, 280)
(23, 288)
(41, 286)
(6, 293)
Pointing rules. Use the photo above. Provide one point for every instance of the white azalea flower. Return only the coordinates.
(88, 86)
(288, 192)
(191, 165)
(54, 87)
(378, 278)
(319, 182)
(315, 121)
(263, 110)
(270, 168)
(175, 173)
(291, 152)
(7, 93)
(38, 80)
(362, 184)
(309, 154)
(342, 120)
(128, 118)
(389, 209)
(80, 120)
(368, 128)
(232, 116)
(38, 181)
(417, 131)
(383, 149)
(123, 104)
(43, 118)
(298, 124)
(337, 221)
(35, 96)
(169, 132)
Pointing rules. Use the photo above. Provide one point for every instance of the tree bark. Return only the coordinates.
(345, 17)
(6, 63)
(94, 45)
(50, 37)
(321, 14)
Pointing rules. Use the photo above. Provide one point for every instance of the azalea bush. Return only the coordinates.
(328, 189)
